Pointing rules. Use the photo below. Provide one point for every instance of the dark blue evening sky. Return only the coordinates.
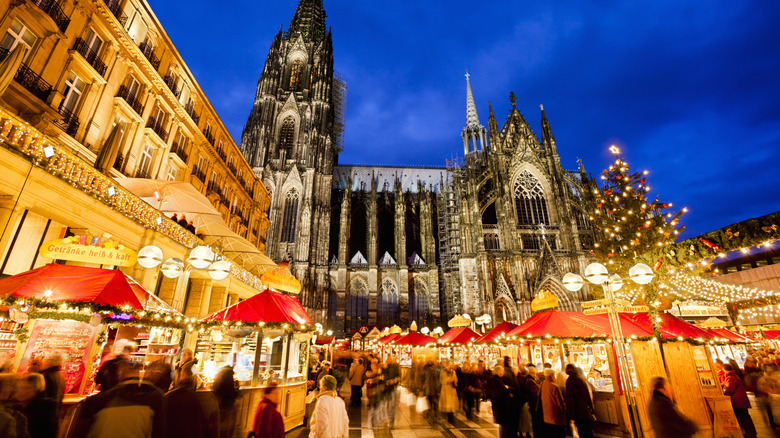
(690, 90)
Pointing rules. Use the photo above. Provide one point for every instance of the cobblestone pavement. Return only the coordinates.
(410, 424)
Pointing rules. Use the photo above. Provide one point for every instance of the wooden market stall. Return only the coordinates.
(491, 345)
(455, 345)
(561, 337)
(265, 339)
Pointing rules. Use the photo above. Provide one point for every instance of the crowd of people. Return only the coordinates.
(184, 222)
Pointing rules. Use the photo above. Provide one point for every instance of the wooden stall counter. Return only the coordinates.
(292, 405)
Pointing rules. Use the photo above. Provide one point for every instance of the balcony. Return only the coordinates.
(90, 56)
(29, 79)
(148, 50)
(53, 9)
(231, 167)
(131, 99)
(142, 173)
(210, 139)
(118, 162)
(158, 126)
(199, 173)
(213, 187)
(170, 81)
(221, 153)
(69, 122)
(179, 151)
(190, 108)
(116, 9)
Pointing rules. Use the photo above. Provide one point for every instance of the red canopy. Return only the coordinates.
(568, 324)
(501, 329)
(267, 306)
(74, 283)
(731, 336)
(458, 335)
(670, 326)
(416, 339)
(390, 338)
(772, 334)
(322, 340)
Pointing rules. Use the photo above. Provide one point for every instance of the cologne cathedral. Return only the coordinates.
(384, 245)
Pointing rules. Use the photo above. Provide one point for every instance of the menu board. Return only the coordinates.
(72, 339)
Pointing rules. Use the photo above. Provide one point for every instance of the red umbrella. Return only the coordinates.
(416, 339)
(496, 332)
(267, 306)
(73, 283)
(458, 335)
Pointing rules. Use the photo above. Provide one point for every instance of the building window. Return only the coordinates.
(418, 305)
(529, 241)
(357, 306)
(145, 164)
(290, 216)
(133, 88)
(72, 90)
(173, 172)
(93, 43)
(530, 202)
(582, 222)
(287, 134)
(388, 303)
(18, 33)
(295, 76)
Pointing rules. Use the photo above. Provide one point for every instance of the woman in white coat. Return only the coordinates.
(330, 418)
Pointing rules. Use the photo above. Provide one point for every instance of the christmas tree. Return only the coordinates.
(628, 224)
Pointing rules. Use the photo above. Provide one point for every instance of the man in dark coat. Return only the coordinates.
(579, 406)
(666, 419)
(537, 415)
(498, 393)
(184, 413)
(734, 387)
(268, 421)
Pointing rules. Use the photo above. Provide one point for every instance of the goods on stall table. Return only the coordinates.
(7, 343)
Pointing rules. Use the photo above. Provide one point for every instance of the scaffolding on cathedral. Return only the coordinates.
(339, 110)
(448, 207)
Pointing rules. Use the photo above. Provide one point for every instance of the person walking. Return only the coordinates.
(330, 419)
(579, 405)
(40, 411)
(392, 379)
(53, 378)
(184, 414)
(734, 387)
(356, 374)
(429, 389)
(325, 370)
(499, 400)
(268, 421)
(448, 400)
(534, 406)
(225, 389)
(553, 406)
(666, 420)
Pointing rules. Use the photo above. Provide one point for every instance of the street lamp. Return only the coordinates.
(201, 257)
(597, 273)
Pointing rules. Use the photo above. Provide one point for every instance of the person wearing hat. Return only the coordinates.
(330, 419)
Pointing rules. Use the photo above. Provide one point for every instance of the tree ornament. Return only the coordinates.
(709, 244)
(730, 235)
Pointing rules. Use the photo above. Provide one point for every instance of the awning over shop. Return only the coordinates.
(416, 339)
(267, 306)
(323, 340)
(458, 335)
(732, 337)
(75, 283)
(496, 332)
(670, 326)
(771, 334)
(568, 324)
(390, 338)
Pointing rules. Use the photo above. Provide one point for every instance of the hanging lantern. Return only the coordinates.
(150, 256)
(172, 267)
(200, 257)
(219, 270)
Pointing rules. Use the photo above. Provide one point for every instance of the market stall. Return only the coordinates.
(265, 339)
(455, 345)
(491, 345)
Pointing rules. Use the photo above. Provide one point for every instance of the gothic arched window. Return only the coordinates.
(388, 303)
(287, 134)
(295, 76)
(290, 216)
(357, 306)
(530, 202)
(418, 305)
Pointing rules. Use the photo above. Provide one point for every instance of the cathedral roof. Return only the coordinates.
(410, 177)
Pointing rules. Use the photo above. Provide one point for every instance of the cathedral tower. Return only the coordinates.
(290, 141)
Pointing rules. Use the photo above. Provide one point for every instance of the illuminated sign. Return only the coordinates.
(88, 249)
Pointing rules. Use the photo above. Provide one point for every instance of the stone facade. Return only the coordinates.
(390, 245)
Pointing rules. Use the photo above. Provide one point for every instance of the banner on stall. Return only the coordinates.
(88, 249)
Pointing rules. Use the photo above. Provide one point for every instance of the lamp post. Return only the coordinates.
(597, 273)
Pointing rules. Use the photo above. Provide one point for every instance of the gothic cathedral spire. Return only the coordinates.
(473, 134)
(290, 141)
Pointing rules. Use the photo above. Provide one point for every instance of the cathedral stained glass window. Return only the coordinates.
(295, 76)
(290, 216)
(287, 134)
(357, 306)
(530, 202)
(388, 303)
(418, 305)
